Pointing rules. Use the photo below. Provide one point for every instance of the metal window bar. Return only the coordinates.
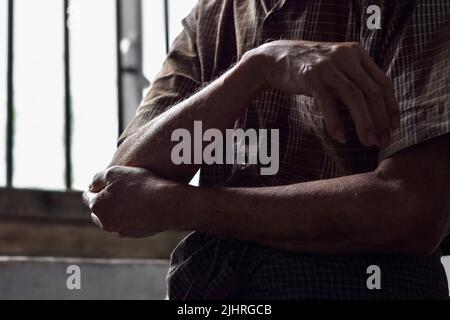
(166, 25)
(119, 67)
(67, 101)
(129, 72)
(10, 97)
(131, 81)
(10, 100)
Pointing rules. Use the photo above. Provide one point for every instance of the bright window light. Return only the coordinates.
(39, 94)
(154, 30)
(154, 48)
(178, 9)
(3, 66)
(94, 87)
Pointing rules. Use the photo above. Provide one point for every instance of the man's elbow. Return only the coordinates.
(424, 226)
(424, 244)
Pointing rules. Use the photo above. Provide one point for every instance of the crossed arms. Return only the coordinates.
(401, 207)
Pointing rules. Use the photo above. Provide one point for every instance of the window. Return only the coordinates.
(155, 43)
(74, 87)
(178, 9)
(38, 94)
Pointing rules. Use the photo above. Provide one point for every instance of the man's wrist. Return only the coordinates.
(253, 65)
(188, 207)
(196, 205)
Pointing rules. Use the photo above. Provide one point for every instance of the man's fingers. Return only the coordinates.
(387, 88)
(98, 182)
(354, 99)
(329, 108)
(375, 99)
(89, 199)
(96, 221)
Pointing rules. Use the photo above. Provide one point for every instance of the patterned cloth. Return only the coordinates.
(412, 47)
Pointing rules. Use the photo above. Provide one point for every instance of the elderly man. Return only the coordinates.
(364, 176)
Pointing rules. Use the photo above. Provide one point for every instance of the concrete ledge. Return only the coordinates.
(46, 278)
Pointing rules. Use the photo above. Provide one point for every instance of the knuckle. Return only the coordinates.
(355, 46)
(309, 73)
(373, 91)
(342, 51)
(325, 63)
(97, 177)
(321, 66)
(110, 173)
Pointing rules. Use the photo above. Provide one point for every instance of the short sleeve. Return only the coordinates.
(419, 66)
(179, 78)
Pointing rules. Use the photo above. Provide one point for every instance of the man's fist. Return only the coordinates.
(130, 202)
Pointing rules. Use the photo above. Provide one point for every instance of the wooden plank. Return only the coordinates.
(21, 203)
(28, 238)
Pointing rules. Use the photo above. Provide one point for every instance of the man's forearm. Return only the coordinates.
(352, 214)
(218, 106)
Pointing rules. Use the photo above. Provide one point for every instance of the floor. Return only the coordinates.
(62, 278)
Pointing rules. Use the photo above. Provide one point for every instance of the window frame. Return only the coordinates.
(67, 205)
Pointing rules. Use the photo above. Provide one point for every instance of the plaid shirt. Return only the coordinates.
(412, 47)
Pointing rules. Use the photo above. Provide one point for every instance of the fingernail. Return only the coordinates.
(340, 136)
(372, 139)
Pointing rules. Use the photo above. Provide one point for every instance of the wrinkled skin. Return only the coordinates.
(118, 199)
(332, 73)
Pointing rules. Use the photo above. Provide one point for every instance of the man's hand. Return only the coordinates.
(332, 72)
(131, 202)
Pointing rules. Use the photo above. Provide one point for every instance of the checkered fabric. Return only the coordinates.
(412, 47)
